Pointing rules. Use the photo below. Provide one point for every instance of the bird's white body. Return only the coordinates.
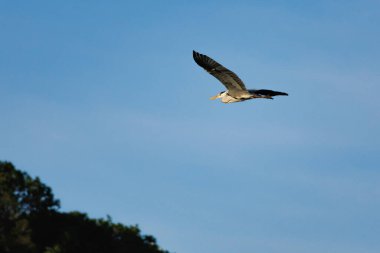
(227, 99)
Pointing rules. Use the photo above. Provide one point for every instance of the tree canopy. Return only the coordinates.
(30, 222)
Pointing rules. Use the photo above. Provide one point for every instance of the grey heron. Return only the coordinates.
(236, 90)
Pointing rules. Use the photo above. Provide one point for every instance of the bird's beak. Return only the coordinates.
(214, 97)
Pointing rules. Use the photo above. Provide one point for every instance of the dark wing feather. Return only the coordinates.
(224, 75)
(270, 93)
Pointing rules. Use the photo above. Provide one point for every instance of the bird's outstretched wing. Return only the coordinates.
(269, 92)
(224, 75)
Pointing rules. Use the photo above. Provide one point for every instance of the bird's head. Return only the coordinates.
(219, 95)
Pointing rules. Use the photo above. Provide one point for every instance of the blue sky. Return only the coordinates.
(103, 101)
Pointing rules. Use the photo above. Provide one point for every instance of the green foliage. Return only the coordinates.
(31, 195)
(30, 222)
(20, 196)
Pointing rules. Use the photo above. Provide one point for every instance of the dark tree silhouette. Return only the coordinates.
(30, 222)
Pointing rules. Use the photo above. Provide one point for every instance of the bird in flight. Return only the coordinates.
(236, 91)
